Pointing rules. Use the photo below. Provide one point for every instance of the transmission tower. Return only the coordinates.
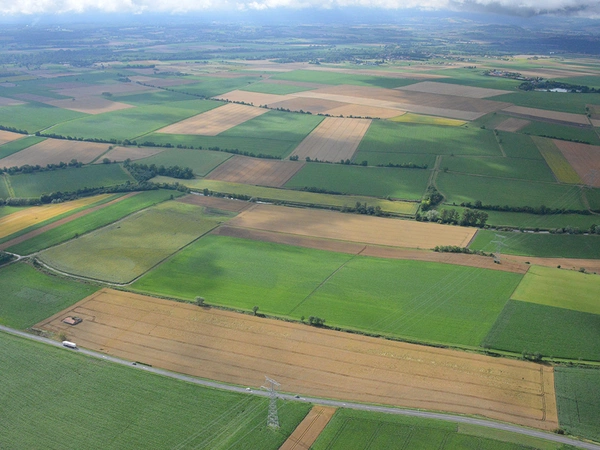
(273, 417)
(499, 244)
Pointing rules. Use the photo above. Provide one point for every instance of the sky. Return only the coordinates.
(522, 8)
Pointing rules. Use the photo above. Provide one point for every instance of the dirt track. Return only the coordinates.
(241, 349)
(260, 172)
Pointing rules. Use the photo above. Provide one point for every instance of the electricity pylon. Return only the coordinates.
(499, 244)
(273, 417)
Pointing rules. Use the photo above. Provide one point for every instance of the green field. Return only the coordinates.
(471, 77)
(407, 184)
(412, 299)
(92, 221)
(68, 180)
(133, 122)
(593, 198)
(518, 146)
(20, 144)
(151, 98)
(7, 210)
(390, 137)
(29, 296)
(552, 332)
(564, 132)
(337, 78)
(4, 192)
(34, 117)
(556, 161)
(459, 188)
(273, 88)
(126, 249)
(211, 86)
(560, 288)
(526, 169)
(585, 80)
(57, 399)
(578, 401)
(296, 197)
(555, 101)
(541, 244)
(350, 429)
(384, 158)
(200, 161)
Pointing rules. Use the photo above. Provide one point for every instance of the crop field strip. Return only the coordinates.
(512, 124)
(427, 120)
(552, 116)
(223, 204)
(431, 87)
(88, 104)
(309, 429)
(584, 159)
(230, 347)
(133, 153)
(215, 121)
(8, 136)
(556, 160)
(261, 172)
(54, 151)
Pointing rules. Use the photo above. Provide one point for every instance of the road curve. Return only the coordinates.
(339, 404)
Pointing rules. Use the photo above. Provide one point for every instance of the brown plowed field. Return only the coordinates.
(595, 122)
(591, 265)
(364, 111)
(215, 121)
(7, 136)
(352, 227)
(584, 158)
(334, 139)
(312, 105)
(224, 204)
(133, 153)
(555, 116)
(431, 87)
(54, 151)
(242, 349)
(253, 98)
(372, 250)
(407, 72)
(10, 102)
(260, 172)
(307, 432)
(89, 105)
(512, 124)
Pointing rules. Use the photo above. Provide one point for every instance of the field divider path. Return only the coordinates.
(8, 185)
(499, 141)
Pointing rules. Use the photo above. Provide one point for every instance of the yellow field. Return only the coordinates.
(31, 216)
(563, 171)
(428, 120)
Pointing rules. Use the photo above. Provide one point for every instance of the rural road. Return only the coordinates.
(334, 403)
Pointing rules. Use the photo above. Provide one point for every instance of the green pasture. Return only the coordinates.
(459, 188)
(413, 299)
(296, 197)
(211, 86)
(151, 98)
(29, 296)
(273, 88)
(518, 146)
(391, 137)
(384, 158)
(407, 184)
(578, 400)
(525, 169)
(351, 429)
(71, 179)
(126, 249)
(547, 330)
(200, 161)
(555, 101)
(560, 288)
(593, 198)
(133, 122)
(564, 132)
(592, 81)
(34, 117)
(540, 244)
(337, 78)
(59, 399)
(92, 221)
(20, 144)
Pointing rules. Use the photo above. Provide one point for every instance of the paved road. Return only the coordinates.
(335, 403)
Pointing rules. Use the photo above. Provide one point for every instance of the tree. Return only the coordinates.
(254, 309)
(200, 301)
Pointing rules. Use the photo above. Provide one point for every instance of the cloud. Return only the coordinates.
(583, 8)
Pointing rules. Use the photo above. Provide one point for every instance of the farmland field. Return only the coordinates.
(262, 172)
(34, 117)
(29, 296)
(565, 132)
(231, 347)
(555, 287)
(459, 188)
(540, 244)
(585, 160)
(550, 331)
(8, 136)
(407, 184)
(519, 146)
(459, 90)
(55, 151)
(18, 145)
(526, 169)
(211, 86)
(512, 124)
(551, 116)
(313, 76)
(107, 404)
(200, 161)
(385, 158)
(274, 88)
(91, 221)
(554, 101)
(126, 249)
(427, 120)
(68, 180)
(133, 153)
(390, 137)
(555, 159)
(593, 198)
(578, 401)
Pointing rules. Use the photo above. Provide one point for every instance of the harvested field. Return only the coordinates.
(334, 139)
(431, 87)
(28, 217)
(10, 102)
(428, 120)
(54, 151)
(240, 349)
(512, 124)
(7, 136)
(562, 169)
(309, 429)
(254, 98)
(89, 105)
(215, 121)
(260, 172)
(312, 105)
(551, 116)
(363, 111)
(595, 122)
(133, 153)
(584, 158)
(373, 250)
(350, 227)
(223, 204)
(99, 89)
